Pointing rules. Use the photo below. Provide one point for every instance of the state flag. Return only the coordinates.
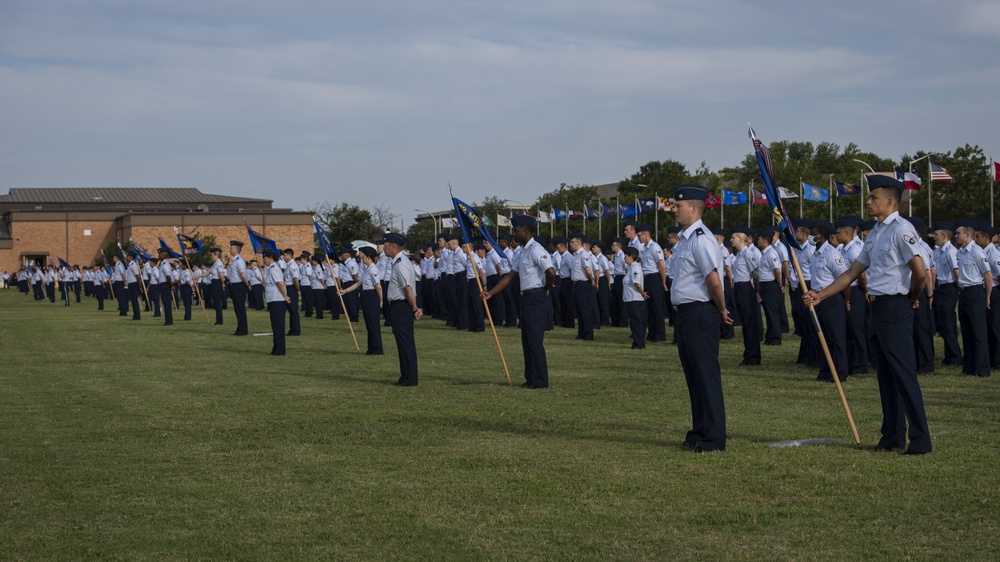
(814, 193)
(712, 202)
(847, 188)
(733, 197)
(910, 180)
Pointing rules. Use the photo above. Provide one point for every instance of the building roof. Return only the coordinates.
(118, 196)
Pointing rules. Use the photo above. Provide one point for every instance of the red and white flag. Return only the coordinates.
(996, 171)
(909, 179)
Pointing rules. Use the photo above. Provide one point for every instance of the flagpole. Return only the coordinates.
(656, 214)
(831, 196)
(201, 301)
(618, 218)
(798, 270)
(930, 186)
(722, 210)
(343, 305)
(142, 283)
(749, 203)
(489, 315)
(864, 181)
(600, 218)
(802, 195)
(993, 173)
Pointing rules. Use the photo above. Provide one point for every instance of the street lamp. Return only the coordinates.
(434, 218)
(864, 181)
(929, 185)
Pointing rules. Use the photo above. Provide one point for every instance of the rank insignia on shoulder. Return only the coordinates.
(699, 232)
(909, 239)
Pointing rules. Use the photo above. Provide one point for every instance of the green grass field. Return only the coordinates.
(130, 440)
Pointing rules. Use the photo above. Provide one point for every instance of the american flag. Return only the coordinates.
(940, 174)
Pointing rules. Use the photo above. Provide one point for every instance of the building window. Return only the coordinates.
(86, 232)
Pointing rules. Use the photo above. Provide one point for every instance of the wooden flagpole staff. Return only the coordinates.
(479, 283)
(778, 215)
(343, 305)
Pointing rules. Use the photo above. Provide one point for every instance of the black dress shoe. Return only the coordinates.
(526, 384)
(884, 449)
(912, 452)
(700, 449)
(687, 445)
(401, 383)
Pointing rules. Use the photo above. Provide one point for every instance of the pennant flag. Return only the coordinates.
(940, 174)
(591, 213)
(666, 204)
(189, 245)
(473, 226)
(170, 251)
(259, 242)
(628, 211)
(847, 188)
(503, 221)
(767, 175)
(758, 198)
(62, 263)
(813, 193)
(910, 181)
(609, 209)
(542, 217)
(449, 222)
(712, 202)
(734, 197)
(138, 251)
(785, 193)
(996, 171)
(329, 249)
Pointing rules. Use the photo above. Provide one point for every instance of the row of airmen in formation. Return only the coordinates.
(593, 284)
(597, 284)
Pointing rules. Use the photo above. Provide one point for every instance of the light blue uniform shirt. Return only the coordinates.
(744, 265)
(400, 277)
(652, 255)
(769, 261)
(993, 257)
(370, 277)
(805, 256)
(850, 252)
(532, 264)
(946, 263)
(888, 249)
(695, 257)
(291, 274)
(972, 266)
(565, 268)
(273, 276)
(633, 277)
(826, 265)
(236, 267)
(582, 259)
(619, 264)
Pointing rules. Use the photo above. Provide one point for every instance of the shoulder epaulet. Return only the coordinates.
(699, 232)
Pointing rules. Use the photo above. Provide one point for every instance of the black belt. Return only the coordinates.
(877, 298)
(530, 291)
(687, 305)
(973, 287)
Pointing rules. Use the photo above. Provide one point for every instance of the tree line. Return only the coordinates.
(968, 196)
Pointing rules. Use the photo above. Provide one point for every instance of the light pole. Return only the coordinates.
(864, 182)
(510, 227)
(929, 185)
(433, 218)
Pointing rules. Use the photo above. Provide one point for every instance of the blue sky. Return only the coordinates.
(384, 103)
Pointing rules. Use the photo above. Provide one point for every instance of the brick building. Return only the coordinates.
(42, 224)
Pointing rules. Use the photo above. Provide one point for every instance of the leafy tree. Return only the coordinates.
(656, 178)
(347, 222)
(966, 197)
